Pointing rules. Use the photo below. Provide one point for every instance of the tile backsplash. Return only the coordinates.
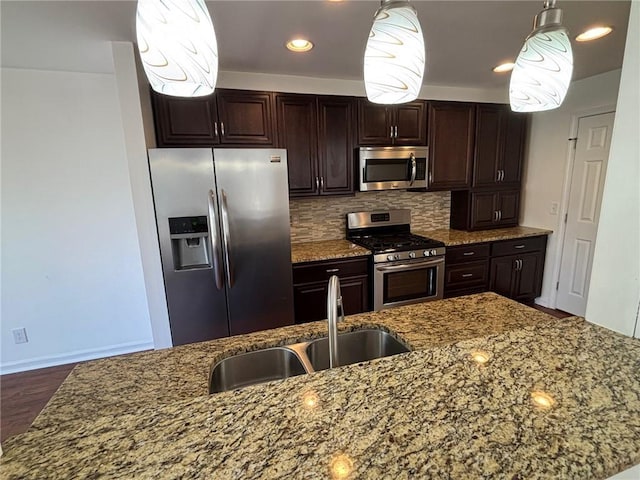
(323, 218)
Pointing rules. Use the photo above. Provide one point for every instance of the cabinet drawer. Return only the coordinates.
(472, 274)
(320, 271)
(467, 253)
(521, 245)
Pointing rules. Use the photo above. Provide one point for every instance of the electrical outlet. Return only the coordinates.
(20, 335)
(554, 208)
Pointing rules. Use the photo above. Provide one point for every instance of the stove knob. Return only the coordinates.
(412, 254)
(425, 253)
(434, 252)
(396, 257)
(390, 258)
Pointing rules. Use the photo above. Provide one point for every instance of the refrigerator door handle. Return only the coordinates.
(226, 239)
(215, 240)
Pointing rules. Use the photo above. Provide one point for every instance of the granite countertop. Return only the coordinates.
(452, 237)
(430, 413)
(325, 250)
(331, 249)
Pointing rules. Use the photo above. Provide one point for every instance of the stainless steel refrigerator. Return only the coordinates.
(223, 227)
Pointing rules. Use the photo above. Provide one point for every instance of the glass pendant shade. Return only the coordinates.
(394, 58)
(543, 69)
(177, 46)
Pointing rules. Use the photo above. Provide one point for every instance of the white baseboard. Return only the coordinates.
(543, 301)
(73, 357)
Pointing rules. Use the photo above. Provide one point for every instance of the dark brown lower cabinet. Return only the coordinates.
(310, 282)
(518, 275)
(512, 268)
(466, 269)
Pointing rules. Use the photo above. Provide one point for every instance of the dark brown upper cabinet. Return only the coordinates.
(451, 137)
(317, 133)
(404, 124)
(225, 118)
(478, 210)
(499, 146)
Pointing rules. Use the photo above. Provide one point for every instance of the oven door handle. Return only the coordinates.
(410, 266)
(413, 168)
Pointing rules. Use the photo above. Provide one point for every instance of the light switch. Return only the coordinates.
(554, 208)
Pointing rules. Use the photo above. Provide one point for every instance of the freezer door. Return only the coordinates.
(254, 209)
(188, 228)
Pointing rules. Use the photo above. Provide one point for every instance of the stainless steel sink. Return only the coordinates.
(355, 347)
(255, 367)
(278, 363)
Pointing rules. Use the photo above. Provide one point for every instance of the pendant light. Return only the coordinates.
(394, 57)
(177, 46)
(541, 76)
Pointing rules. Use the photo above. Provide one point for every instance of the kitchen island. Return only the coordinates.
(493, 389)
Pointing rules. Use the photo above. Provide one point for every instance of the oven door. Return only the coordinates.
(407, 282)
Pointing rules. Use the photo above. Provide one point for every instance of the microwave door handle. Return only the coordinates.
(413, 168)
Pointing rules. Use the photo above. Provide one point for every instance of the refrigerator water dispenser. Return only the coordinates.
(189, 239)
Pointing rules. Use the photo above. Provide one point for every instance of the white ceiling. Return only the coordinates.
(464, 39)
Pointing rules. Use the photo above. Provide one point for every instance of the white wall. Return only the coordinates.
(614, 296)
(71, 268)
(546, 160)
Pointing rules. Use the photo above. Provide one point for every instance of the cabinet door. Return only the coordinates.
(483, 210)
(508, 204)
(502, 275)
(245, 118)
(310, 302)
(529, 276)
(488, 147)
(335, 145)
(374, 123)
(515, 128)
(450, 145)
(297, 133)
(355, 294)
(410, 124)
(184, 122)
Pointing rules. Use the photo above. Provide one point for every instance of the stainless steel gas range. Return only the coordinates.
(407, 268)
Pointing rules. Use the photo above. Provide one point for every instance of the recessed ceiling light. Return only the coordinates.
(594, 33)
(504, 67)
(299, 45)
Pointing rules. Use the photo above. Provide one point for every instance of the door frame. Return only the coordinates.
(566, 189)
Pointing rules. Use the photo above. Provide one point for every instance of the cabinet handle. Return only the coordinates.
(215, 128)
(502, 175)
(497, 176)
(391, 131)
(430, 178)
(333, 270)
(468, 254)
(222, 128)
(495, 215)
(467, 275)
(317, 184)
(499, 215)
(322, 184)
(518, 247)
(395, 135)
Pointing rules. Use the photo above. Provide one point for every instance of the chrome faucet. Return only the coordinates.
(334, 301)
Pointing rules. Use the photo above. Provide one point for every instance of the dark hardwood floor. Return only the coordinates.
(24, 395)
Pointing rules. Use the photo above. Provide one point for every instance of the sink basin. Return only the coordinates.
(355, 347)
(254, 367)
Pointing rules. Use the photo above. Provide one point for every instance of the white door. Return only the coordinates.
(587, 181)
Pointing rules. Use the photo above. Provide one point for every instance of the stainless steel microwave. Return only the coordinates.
(393, 168)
